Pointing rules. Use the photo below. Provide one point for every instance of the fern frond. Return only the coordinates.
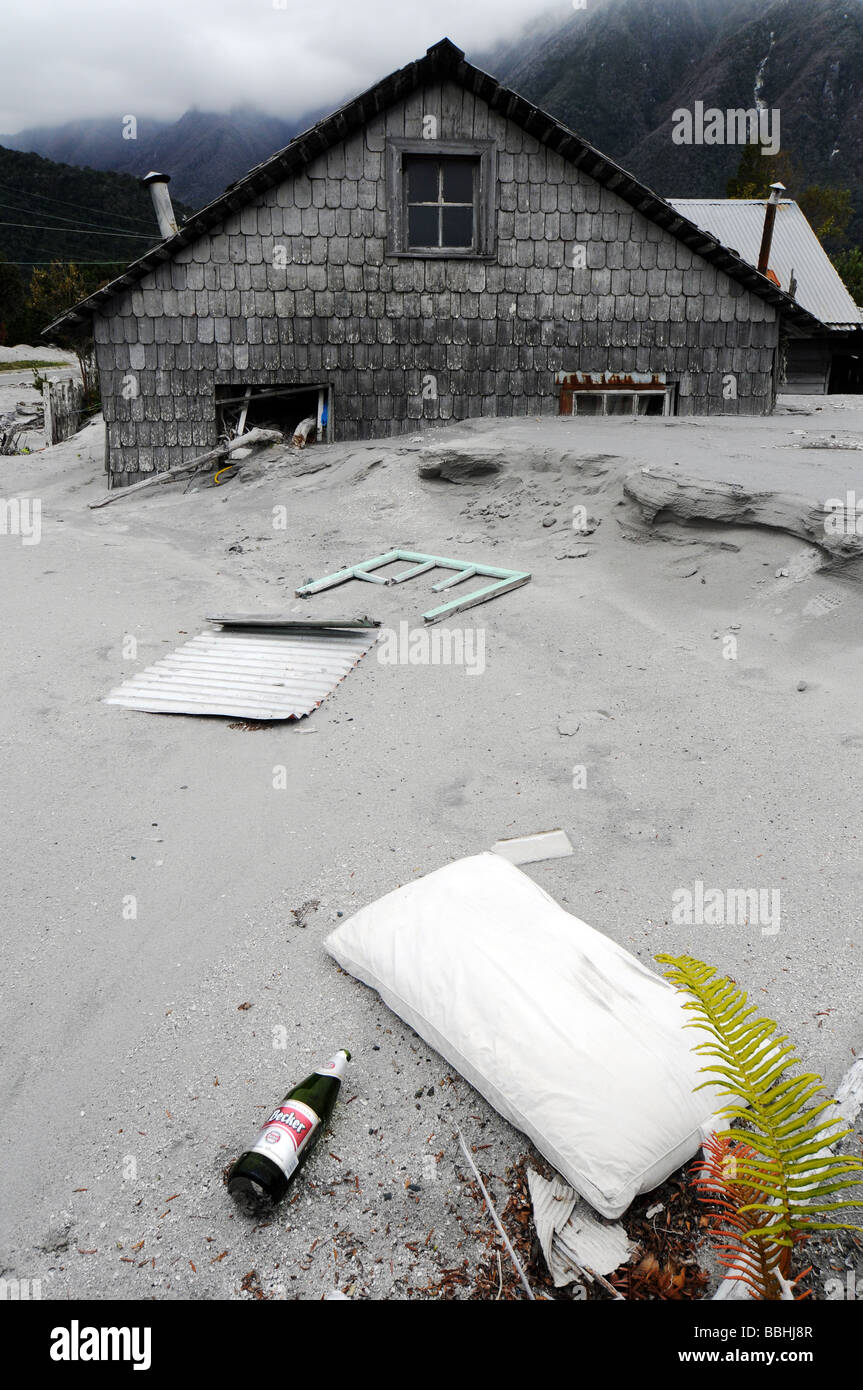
(747, 1250)
(785, 1168)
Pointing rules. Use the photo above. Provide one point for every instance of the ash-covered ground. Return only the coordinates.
(142, 1052)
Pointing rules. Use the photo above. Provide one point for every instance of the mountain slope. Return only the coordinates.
(53, 211)
(203, 151)
(617, 73)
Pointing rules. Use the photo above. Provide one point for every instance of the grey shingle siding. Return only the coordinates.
(492, 331)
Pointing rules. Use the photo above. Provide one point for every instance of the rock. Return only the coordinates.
(802, 685)
(568, 725)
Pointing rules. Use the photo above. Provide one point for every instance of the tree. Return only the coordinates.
(13, 304)
(850, 266)
(756, 171)
(828, 211)
(56, 289)
(52, 292)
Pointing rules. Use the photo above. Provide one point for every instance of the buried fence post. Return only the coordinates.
(63, 399)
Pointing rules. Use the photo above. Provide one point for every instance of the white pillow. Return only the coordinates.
(566, 1034)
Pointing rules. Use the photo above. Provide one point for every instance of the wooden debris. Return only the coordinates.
(193, 466)
(304, 430)
(63, 402)
(496, 1219)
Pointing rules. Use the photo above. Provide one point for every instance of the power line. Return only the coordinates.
(48, 198)
(121, 231)
(84, 231)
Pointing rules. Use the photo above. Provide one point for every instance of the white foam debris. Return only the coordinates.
(530, 849)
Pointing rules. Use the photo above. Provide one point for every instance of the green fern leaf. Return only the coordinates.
(786, 1167)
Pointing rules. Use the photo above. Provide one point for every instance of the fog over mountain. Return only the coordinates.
(614, 71)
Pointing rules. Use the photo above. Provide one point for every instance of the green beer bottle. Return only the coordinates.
(287, 1138)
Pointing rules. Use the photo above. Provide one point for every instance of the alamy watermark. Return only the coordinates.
(21, 516)
(844, 517)
(755, 126)
(851, 1290)
(726, 907)
(20, 1290)
(434, 646)
(77, 1343)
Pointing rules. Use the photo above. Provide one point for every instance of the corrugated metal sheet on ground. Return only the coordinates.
(739, 223)
(252, 674)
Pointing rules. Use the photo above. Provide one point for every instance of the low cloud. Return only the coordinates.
(96, 58)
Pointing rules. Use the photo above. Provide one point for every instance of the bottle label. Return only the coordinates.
(336, 1066)
(286, 1133)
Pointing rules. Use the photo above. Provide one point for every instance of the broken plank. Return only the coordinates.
(168, 474)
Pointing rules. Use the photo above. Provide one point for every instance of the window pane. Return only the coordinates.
(423, 226)
(422, 180)
(620, 403)
(457, 227)
(458, 180)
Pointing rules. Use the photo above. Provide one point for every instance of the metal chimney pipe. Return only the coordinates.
(162, 206)
(776, 191)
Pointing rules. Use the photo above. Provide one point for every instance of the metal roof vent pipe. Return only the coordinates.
(776, 191)
(162, 206)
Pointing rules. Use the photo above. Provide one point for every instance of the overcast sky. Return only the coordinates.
(67, 59)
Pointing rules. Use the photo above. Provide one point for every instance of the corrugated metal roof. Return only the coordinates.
(739, 222)
(255, 674)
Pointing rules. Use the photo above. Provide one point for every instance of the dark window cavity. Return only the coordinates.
(440, 198)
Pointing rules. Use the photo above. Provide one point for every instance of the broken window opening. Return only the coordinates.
(625, 403)
(306, 410)
(846, 373)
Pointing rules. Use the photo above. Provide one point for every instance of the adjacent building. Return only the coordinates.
(830, 361)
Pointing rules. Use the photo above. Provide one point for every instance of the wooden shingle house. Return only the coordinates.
(435, 250)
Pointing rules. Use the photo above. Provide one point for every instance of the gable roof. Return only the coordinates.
(795, 250)
(444, 60)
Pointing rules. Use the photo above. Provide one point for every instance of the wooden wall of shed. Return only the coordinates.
(807, 366)
(493, 333)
